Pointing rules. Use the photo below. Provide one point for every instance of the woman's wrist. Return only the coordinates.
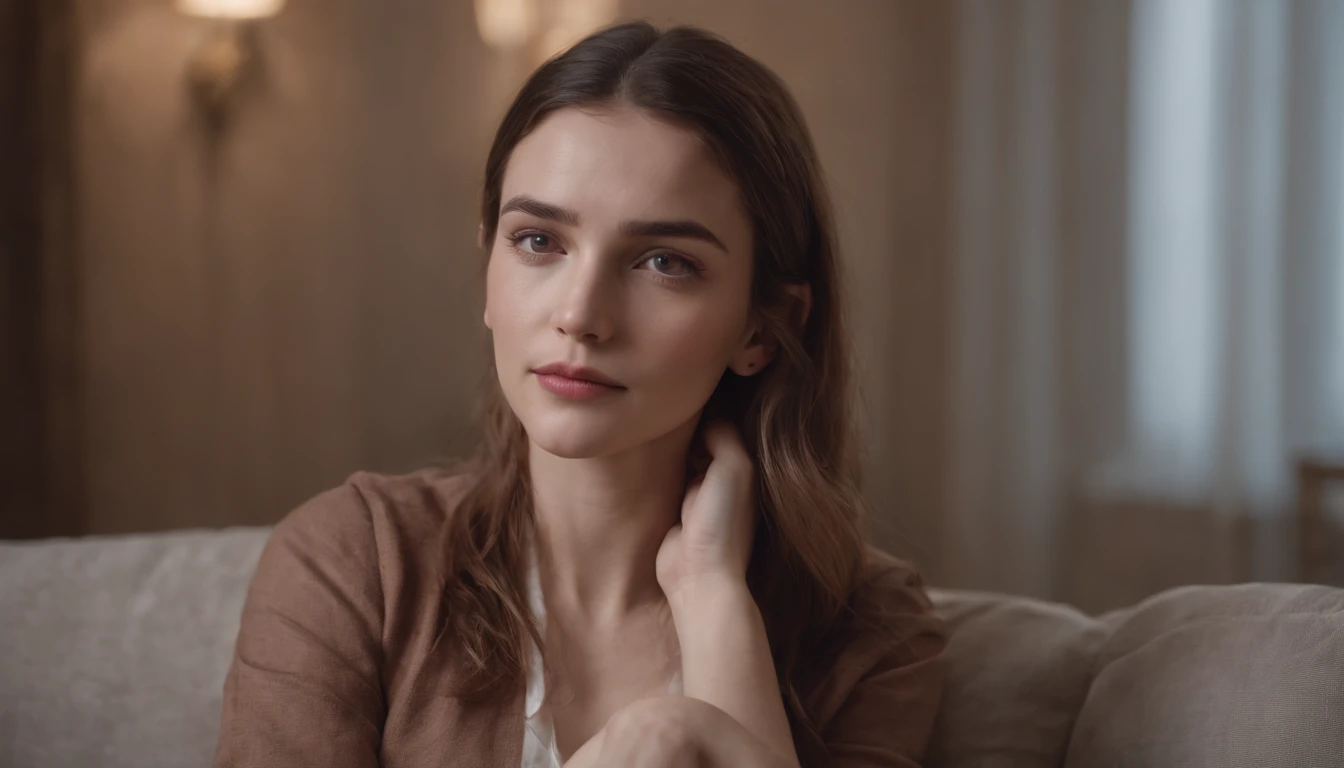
(721, 632)
(712, 593)
(726, 662)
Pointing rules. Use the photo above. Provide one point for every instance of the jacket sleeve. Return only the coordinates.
(886, 715)
(304, 684)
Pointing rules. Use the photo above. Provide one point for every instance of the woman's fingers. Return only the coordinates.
(661, 732)
(724, 443)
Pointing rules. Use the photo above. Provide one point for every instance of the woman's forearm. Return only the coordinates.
(726, 661)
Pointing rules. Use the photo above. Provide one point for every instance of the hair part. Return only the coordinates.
(795, 416)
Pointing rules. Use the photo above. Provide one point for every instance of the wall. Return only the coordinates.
(41, 478)
(271, 308)
(300, 297)
(21, 498)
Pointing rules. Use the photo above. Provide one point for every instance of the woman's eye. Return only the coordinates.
(536, 243)
(672, 265)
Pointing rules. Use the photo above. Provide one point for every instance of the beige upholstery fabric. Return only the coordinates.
(1251, 675)
(1017, 674)
(1245, 676)
(113, 650)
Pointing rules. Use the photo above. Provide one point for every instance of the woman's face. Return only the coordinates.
(621, 247)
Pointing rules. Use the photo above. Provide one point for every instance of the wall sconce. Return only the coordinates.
(546, 27)
(222, 61)
(506, 24)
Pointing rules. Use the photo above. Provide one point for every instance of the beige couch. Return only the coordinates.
(113, 653)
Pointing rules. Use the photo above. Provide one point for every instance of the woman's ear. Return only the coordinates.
(754, 354)
(757, 351)
(802, 292)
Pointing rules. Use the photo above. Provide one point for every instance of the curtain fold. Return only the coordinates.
(1148, 284)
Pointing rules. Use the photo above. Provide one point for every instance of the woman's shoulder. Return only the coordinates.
(341, 612)
(409, 504)
(890, 585)
(887, 659)
(413, 504)
(890, 612)
(392, 523)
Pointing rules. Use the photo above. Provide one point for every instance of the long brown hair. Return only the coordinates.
(795, 416)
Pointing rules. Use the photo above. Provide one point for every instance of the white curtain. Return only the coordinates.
(1149, 269)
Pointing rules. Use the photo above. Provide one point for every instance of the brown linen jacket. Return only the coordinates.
(335, 663)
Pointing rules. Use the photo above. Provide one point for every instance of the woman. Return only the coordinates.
(655, 559)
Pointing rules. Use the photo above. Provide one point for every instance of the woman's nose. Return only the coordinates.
(584, 310)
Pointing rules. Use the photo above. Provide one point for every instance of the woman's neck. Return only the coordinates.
(600, 523)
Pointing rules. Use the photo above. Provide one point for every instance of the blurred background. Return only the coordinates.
(1095, 252)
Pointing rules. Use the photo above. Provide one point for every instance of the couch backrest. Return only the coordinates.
(1241, 676)
(1244, 676)
(113, 650)
(113, 653)
(1017, 673)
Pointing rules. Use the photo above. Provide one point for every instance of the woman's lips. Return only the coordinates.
(575, 389)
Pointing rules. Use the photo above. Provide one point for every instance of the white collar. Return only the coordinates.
(536, 678)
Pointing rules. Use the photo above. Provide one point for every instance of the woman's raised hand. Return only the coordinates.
(712, 544)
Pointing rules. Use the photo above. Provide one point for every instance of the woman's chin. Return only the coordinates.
(580, 438)
(575, 445)
(589, 433)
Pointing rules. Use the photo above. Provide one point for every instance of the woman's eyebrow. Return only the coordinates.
(691, 229)
(686, 228)
(534, 207)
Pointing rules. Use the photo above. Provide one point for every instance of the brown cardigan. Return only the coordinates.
(335, 663)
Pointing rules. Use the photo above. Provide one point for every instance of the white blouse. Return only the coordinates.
(539, 749)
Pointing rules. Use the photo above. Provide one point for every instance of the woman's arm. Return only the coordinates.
(702, 567)
(303, 686)
(726, 661)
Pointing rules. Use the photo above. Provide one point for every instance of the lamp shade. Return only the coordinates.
(231, 9)
(506, 24)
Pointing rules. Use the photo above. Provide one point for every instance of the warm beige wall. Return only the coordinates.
(268, 313)
(301, 300)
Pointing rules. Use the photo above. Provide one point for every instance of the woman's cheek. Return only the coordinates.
(694, 351)
(514, 306)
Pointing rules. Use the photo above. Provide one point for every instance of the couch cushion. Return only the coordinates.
(113, 650)
(1017, 672)
(1249, 675)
